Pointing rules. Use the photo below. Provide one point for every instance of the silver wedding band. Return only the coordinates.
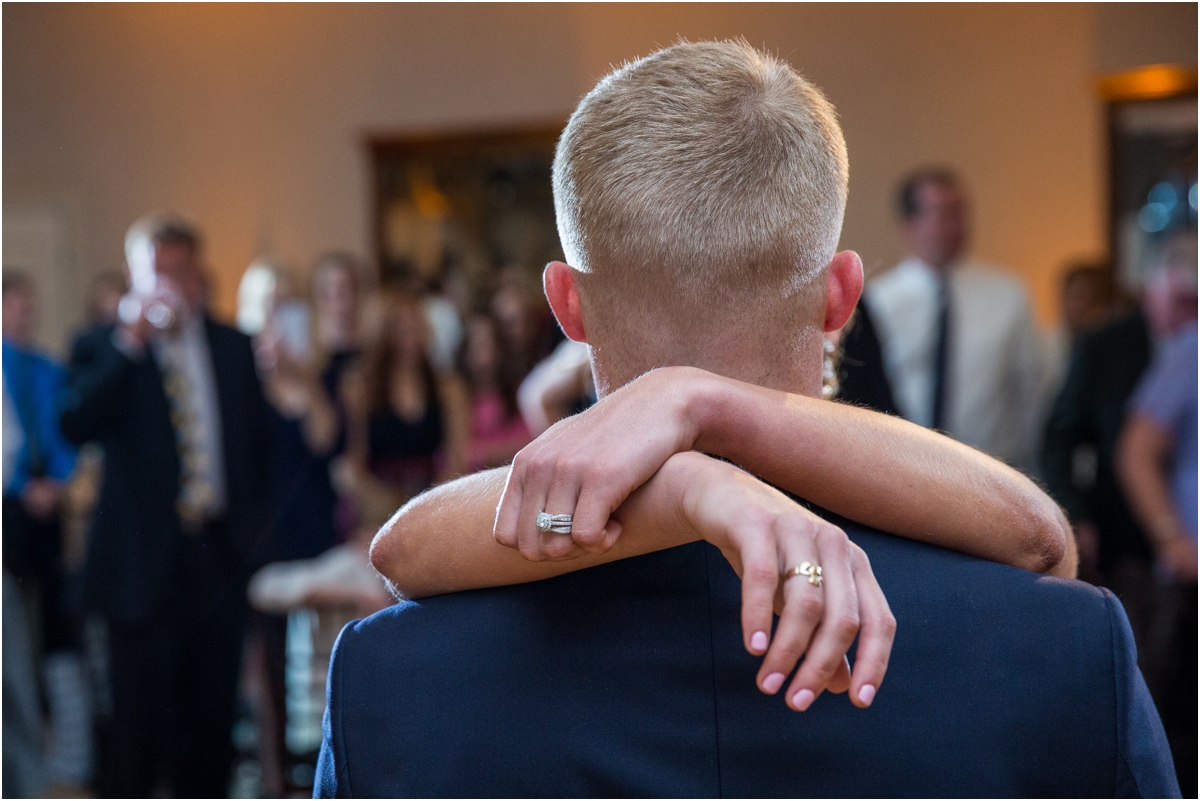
(559, 524)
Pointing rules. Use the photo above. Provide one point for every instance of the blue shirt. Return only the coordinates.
(36, 384)
(1166, 395)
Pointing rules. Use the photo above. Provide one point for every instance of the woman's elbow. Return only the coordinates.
(1047, 545)
(387, 553)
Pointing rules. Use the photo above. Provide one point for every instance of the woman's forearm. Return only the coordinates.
(884, 472)
(1142, 452)
(441, 541)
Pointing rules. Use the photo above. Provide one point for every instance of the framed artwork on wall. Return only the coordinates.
(462, 208)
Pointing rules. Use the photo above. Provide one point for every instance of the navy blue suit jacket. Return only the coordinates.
(631, 680)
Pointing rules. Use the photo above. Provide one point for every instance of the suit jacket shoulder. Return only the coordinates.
(598, 683)
(1145, 768)
(631, 679)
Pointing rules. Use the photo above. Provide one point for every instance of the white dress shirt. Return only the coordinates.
(994, 384)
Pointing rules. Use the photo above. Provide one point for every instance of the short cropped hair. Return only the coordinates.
(708, 169)
(172, 230)
(157, 228)
(907, 206)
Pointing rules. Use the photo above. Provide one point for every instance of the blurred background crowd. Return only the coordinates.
(370, 371)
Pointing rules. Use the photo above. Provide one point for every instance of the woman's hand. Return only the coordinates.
(764, 534)
(587, 465)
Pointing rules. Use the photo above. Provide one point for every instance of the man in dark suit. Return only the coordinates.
(174, 400)
(700, 193)
(1105, 367)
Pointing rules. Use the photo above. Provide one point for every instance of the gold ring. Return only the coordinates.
(806, 569)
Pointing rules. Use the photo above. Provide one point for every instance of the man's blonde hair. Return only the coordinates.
(708, 170)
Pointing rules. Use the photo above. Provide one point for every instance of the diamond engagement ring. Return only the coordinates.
(806, 569)
(559, 524)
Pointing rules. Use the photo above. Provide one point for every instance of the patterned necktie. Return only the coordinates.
(942, 354)
(197, 497)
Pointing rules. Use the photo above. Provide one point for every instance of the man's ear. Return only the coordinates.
(844, 284)
(558, 281)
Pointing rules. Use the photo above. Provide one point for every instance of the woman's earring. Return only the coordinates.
(829, 376)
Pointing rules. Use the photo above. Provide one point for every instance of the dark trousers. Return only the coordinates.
(33, 553)
(174, 686)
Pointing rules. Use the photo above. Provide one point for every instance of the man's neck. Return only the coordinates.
(798, 371)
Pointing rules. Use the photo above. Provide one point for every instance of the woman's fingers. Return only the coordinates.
(760, 576)
(839, 623)
(840, 682)
(561, 496)
(544, 479)
(877, 631)
(602, 490)
(535, 469)
(803, 606)
(509, 511)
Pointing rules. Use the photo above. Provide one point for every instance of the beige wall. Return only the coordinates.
(251, 118)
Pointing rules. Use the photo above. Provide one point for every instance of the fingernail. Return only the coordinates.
(867, 694)
(773, 682)
(758, 642)
(802, 699)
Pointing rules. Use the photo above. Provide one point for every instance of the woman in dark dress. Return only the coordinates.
(304, 430)
(408, 423)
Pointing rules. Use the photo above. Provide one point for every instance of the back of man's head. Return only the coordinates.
(700, 186)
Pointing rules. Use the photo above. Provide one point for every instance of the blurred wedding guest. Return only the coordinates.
(336, 296)
(305, 430)
(24, 771)
(959, 345)
(36, 384)
(33, 533)
(527, 329)
(1156, 462)
(497, 430)
(408, 423)
(105, 295)
(861, 378)
(1089, 299)
(559, 386)
(1086, 418)
(174, 398)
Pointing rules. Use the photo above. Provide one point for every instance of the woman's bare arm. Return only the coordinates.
(1143, 451)
(887, 473)
(881, 471)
